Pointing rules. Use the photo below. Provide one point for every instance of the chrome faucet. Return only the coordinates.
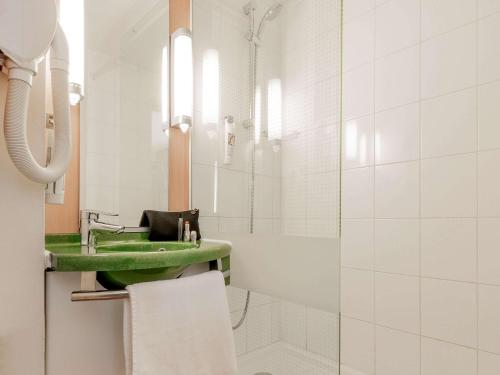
(89, 219)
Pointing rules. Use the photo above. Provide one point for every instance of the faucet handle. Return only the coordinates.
(94, 214)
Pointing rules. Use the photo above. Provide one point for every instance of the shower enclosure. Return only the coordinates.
(274, 69)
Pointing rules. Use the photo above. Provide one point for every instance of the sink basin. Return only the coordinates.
(129, 258)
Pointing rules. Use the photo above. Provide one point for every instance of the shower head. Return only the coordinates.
(271, 14)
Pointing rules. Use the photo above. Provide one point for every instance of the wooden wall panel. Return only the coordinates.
(179, 159)
(65, 218)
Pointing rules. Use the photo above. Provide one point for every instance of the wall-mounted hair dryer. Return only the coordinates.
(28, 29)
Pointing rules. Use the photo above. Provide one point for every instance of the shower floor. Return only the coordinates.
(285, 359)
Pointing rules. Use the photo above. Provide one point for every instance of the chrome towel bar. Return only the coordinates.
(107, 295)
(103, 295)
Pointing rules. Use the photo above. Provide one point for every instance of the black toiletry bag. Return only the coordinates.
(164, 224)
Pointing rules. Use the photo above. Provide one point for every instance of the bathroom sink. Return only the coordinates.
(129, 258)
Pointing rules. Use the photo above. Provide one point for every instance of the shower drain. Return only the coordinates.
(263, 373)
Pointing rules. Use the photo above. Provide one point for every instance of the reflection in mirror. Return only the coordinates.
(124, 154)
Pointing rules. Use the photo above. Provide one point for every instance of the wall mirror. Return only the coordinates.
(121, 127)
(262, 152)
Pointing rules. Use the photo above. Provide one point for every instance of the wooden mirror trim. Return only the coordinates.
(65, 218)
(179, 148)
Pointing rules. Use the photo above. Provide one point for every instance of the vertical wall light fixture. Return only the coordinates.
(211, 84)
(164, 89)
(181, 49)
(274, 113)
(72, 20)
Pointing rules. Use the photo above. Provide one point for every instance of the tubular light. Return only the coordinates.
(164, 88)
(274, 113)
(211, 82)
(351, 140)
(71, 18)
(182, 79)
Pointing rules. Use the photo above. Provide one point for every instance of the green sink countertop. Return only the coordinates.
(129, 251)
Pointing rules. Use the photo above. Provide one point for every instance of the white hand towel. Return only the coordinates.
(179, 327)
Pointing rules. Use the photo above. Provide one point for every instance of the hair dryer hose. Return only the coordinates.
(16, 113)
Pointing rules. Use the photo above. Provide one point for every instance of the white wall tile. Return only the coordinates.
(397, 190)
(359, 37)
(358, 92)
(326, 227)
(259, 299)
(207, 223)
(236, 298)
(322, 149)
(259, 328)
(100, 170)
(357, 293)
(488, 183)
(263, 226)
(488, 252)
(397, 134)
(321, 195)
(276, 320)
(231, 203)
(489, 364)
(240, 335)
(397, 79)
(487, 7)
(447, 62)
(397, 302)
(489, 50)
(355, 8)
(203, 188)
(397, 246)
(357, 243)
(449, 186)
(489, 116)
(439, 16)
(400, 15)
(449, 311)
(264, 196)
(449, 124)
(204, 144)
(357, 346)
(439, 358)
(358, 140)
(448, 249)
(233, 225)
(322, 333)
(293, 197)
(489, 318)
(397, 352)
(293, 325)
(357, 197)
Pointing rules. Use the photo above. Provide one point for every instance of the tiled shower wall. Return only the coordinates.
(272, 320)
(421, 187)
(310, 62)
(222, 191)
(296, 188)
